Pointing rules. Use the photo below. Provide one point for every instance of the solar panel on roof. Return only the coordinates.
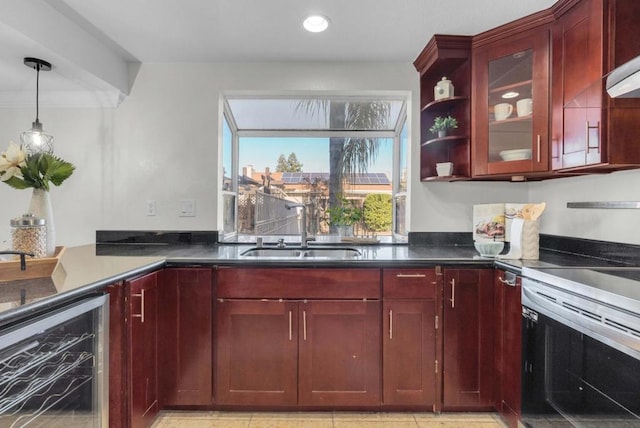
(360, 179)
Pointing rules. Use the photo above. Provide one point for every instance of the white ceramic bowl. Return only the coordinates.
(517, 154)
(489, 248)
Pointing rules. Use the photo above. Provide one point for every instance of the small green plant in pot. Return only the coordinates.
(344, 216)
(442, 124)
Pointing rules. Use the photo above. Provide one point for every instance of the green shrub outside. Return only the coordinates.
(378, 212)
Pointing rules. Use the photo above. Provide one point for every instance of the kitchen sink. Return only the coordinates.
(331, 253)
(273, 252)
(303, 253)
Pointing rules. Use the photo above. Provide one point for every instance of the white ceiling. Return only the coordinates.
(93, 43)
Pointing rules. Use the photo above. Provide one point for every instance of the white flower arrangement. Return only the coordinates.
(38, 170)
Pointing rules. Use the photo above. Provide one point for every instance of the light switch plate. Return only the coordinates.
(187, 208)
(151, 207)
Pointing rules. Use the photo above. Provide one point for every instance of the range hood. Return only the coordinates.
(624, 81)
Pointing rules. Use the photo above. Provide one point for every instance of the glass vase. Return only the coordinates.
(41, 207)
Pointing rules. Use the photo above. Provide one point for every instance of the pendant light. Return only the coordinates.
(35, 140)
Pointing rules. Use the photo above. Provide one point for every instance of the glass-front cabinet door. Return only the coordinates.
(511, 94)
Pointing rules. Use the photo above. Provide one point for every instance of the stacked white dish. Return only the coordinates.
(517, 154)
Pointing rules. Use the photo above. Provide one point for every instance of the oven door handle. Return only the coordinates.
(507, 282)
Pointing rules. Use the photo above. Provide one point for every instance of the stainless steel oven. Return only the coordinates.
(581, 347)
(52, 368)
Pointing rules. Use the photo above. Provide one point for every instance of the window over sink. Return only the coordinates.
(321, 152)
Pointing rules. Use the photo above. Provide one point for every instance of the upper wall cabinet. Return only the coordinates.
(511, 105)
(531, 95)
(590, 130)
(450, 57)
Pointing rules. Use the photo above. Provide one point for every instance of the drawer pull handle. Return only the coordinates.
(141, 314)
(390, 324)
(453, 293)
(304, 325)
(411, 275)
(290, 329)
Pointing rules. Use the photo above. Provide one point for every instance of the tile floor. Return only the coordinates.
(190, 419)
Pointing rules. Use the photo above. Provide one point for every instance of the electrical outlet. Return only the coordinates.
(187, 208)
(151, 207)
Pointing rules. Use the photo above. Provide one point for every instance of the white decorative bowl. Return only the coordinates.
(489, 248)
(517, 154)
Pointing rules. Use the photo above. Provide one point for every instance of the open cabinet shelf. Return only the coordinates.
(450, 57)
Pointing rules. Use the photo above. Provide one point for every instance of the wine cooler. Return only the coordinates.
(53, 368)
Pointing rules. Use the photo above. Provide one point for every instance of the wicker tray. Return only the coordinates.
(36, 268)
(357, 240)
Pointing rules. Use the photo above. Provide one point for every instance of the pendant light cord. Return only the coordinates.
(37, 89)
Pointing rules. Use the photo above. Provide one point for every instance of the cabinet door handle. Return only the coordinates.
(411, 275)
(141, 314)
(304, 325)
(587, 139)
(538, 143)
(453, 293)
(390, 324)
(509, 283)
(290, 328)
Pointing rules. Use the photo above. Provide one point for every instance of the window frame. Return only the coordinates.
(403, 121)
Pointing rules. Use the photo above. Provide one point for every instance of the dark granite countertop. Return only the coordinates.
(90, 268)
(79, 273)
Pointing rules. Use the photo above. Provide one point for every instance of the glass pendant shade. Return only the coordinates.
(35, 140)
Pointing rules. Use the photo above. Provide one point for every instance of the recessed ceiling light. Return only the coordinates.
(511, 94)
(315, 23)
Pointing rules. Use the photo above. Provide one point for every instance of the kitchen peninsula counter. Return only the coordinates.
(79, 273)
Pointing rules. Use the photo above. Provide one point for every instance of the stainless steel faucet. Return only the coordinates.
(303, 229)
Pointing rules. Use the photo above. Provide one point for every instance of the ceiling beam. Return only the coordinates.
(76, 52)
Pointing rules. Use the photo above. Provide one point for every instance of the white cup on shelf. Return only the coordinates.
(502, 111)
(524, 107)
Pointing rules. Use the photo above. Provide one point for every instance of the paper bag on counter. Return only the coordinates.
(525, 240)
(531, 240)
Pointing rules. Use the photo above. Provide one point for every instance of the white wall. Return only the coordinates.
(160, 144)
(617, 225)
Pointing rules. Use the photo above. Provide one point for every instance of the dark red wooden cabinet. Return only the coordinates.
(256, 352)
(468, 339)
(590, 130)
(142, 296)
(409, 338)
(508, 347)
(517, 67)
(289, 337)
(186, 337)
(339, 353)
(445, 56)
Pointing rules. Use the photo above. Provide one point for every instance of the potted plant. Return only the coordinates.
(344, 216)
(442, 124)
